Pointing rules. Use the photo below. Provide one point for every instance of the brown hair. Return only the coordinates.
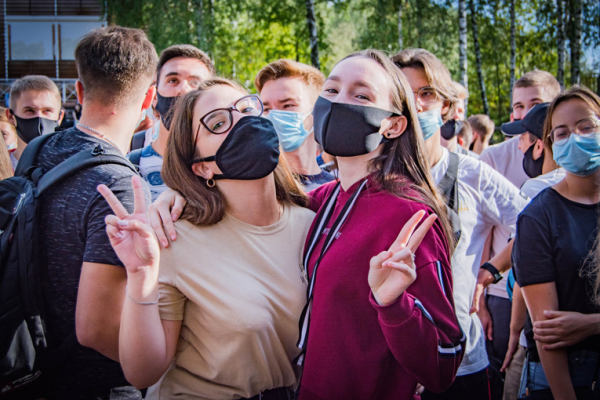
(185, 51)
(35, 83)
(466, 132)
(4, 119)
(540, 78)
(115, 64)
(483, 125)
(6, 170)
(576, 92)
(287, 68)
(437, 75)
(461, 91)
(402, 168)
(207, 205)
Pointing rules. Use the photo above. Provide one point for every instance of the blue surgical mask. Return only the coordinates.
(580, 155)
(290, 128)
(430, 122)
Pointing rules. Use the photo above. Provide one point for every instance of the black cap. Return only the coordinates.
(533, 122)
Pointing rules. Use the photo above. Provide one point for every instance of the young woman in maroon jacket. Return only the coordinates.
(380, 316)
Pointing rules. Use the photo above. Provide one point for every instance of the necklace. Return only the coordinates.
(102, 135)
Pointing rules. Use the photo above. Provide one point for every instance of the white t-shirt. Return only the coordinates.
(486, 199)
(507, 159)
(535, 185)
(150, 167)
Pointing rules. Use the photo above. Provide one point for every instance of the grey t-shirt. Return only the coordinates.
(72, 231)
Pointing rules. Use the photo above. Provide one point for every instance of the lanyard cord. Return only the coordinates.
(322, 221)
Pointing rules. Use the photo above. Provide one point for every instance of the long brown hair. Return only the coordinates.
(401, 167)
(436, 72)
(207, 205)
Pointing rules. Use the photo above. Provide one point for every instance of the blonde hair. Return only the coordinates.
(483, 125)
(206, 205)
(540, 78)
(284, 68)
(34, 83)
(461, 91)
(437, 75)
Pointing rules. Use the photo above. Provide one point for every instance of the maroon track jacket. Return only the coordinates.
(357, 349)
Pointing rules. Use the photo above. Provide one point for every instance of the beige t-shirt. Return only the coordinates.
(239, 290)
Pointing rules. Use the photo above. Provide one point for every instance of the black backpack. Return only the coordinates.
(27, 363)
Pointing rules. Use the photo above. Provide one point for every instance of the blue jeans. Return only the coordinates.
(583, 368)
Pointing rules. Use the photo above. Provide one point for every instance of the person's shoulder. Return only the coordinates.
(148, 151)
(318, 196)
(541, 203)
(301, 213)
(498, 148)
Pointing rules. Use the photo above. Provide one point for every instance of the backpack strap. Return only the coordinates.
(135, 156)
(30, 154)
(83, 159)
(449, 186)
(137, 141)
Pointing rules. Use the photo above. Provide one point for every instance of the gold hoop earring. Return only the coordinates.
(211, 183)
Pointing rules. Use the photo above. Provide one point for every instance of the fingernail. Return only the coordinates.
(174, 217)
(385, 264)
(120, 235)
(172, 237)
(165, 243)
(546, 312)
(123, 223)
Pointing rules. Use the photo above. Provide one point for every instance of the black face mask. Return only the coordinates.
(451, 128)
(30, 128)
(348, 130)
(249, 152)
(165, 107)
(532, 167)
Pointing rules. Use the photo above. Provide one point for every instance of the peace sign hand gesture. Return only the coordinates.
(392, 272)
(130, 235)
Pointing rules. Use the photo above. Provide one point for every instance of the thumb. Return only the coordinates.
(135, 226)
(378, 260)
(553, 313)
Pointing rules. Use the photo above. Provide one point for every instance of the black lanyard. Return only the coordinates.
(322, 220)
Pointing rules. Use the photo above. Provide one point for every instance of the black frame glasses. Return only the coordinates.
(258, 113)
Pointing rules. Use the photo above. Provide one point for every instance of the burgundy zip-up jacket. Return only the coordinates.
(357, 349)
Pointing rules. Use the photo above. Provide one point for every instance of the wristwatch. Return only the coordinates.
(494, 271)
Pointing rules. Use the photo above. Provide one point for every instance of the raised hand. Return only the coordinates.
(163, 212)
(130, 234)
(392, 272)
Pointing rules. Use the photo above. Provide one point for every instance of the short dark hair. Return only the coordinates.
(115, 64)
(186, 51)
(35, 83)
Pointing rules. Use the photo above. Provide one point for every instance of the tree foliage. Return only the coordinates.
(245, 35)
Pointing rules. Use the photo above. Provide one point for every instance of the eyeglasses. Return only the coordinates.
(426, 95)
(220, 120)
(587, 127)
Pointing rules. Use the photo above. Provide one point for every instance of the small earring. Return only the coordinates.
(211, 183)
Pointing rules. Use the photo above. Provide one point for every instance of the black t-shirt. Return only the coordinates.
(312, 182)
(552, 244)
(73, 231)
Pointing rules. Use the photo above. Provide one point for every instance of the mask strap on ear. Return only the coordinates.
(210, 158)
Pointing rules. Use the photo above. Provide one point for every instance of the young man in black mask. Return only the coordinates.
(530, 131)
(181, 68)
(35, 109)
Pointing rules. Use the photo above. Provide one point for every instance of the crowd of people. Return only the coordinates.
(354, 236)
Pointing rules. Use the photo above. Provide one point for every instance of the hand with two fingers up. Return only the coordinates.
(393, 271)
(133, 239)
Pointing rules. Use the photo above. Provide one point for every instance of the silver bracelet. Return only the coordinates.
(143, 303)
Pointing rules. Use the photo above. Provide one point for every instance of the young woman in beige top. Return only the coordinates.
(231, 288)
